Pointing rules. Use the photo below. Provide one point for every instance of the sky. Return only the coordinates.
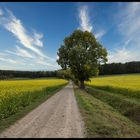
(32, 32)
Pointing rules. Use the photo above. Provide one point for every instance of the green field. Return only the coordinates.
(18, 97)
(110, 105)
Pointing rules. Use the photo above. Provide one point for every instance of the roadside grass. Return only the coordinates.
(123, 91)
(102, 120)
(42, 96)
(126, 106)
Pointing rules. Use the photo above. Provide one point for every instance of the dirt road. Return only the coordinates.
(58, 117)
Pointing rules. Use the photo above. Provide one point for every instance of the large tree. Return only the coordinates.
(82, 53)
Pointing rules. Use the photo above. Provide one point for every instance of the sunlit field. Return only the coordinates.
(18, 86)
(16, 94)
(122, 92)
(131, 81)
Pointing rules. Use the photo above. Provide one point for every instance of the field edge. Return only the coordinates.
(7, 122)
(101, 120)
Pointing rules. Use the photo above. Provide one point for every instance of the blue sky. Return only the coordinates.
(31, 33)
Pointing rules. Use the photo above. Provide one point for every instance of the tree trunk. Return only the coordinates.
(82, 85)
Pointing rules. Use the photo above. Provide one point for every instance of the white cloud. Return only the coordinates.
(21, 52)
(43, 63)
(129, 28)
(99, 34)
(5, 67)
(57, 57)
(8, 60)
(32, 41)
(85, 24)
(15, 26)
(123, 55)
(130, 21)
(37, 40)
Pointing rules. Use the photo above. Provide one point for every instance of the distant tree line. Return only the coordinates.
(106, 69)
(119, 68)
(6, 74)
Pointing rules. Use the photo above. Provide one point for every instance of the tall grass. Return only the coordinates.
(102, 120)
(126, 106)
(123, 91)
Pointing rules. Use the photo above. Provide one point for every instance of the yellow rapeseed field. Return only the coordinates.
(17, 86)
(131, 81)
(16, 94)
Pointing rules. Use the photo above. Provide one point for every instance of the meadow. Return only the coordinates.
(17, 95)
(110, 105)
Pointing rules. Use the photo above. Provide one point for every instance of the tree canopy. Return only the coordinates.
(82, 53)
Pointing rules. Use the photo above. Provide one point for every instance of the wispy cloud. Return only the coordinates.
(44, 63)
(129, 25)
(21, 52)
(9, 60)
(123, 54)
(85, 24)
(31, 43)
(129, 28)
(99, 35)
(37, 39)
(15, 26)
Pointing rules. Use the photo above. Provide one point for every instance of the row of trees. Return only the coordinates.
(6, 74)
(119, 68)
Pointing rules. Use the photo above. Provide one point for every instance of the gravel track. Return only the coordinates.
(58, 117)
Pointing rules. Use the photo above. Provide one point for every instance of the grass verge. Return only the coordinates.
(103, 121)
(123, 91)
(126, 106)
(45, 94)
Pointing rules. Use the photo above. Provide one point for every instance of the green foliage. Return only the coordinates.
(8, 74)
(82, 54)
(65, 74)
(120, 68)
